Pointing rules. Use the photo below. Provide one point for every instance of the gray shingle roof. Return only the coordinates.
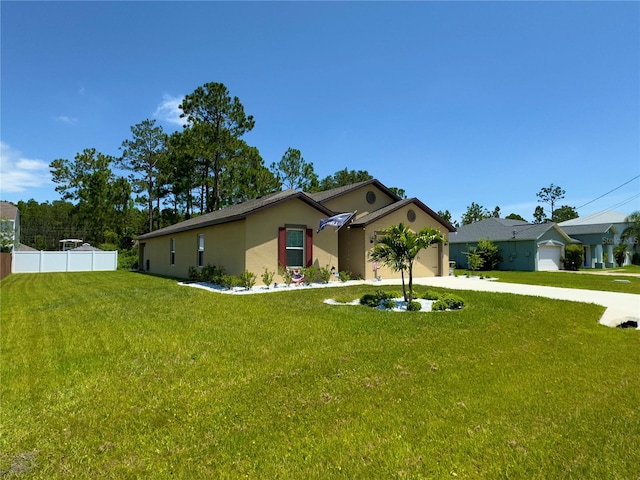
(235, 212)
(587, 229)
(500, 229)
(8, 210)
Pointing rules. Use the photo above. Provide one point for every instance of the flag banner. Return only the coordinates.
(335, 221)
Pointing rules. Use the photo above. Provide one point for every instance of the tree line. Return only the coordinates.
(547, 195)
(205, 166)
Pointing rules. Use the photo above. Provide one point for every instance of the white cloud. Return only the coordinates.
(20, 173)
(67, 120)
(169, 110)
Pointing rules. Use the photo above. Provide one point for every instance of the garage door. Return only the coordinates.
(549, 258)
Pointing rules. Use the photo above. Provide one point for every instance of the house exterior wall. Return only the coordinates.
(249, 244)
(433, 261)
(261, 240)
(357, 200)
(223, 246)
(518, 255)
(353, 246)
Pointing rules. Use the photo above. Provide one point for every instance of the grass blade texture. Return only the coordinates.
(124, 375)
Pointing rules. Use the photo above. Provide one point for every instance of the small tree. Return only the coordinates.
(619, 253)
(399, 247)
(489, 253)
(474, 260)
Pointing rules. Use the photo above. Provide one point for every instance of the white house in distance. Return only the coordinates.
(10, 225)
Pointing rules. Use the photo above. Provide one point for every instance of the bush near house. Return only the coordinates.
(489, 253)
(573, 257)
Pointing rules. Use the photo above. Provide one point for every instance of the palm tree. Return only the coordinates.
(399, 247)
(633, 230)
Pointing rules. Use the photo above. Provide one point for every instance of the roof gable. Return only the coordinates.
(373, 216)
(327, 195)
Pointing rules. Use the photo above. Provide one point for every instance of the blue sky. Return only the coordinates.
(455, 102)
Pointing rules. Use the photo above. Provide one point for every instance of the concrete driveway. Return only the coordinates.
(620, 307)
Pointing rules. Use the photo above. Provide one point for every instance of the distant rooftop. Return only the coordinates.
(605, 216)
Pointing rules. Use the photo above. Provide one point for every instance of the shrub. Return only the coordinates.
(247, 279)
(413, 306)
(128, 259)
(395, 294)
(211, 273)
(286, 274)
(228, 281)
(194, 274)
(267, 277)
(324, 274)
(344, 276)
(431, 295)
(448, 301)
(573, 257)
(310, 274)
(388, 303)
(619, 252)
(374, 299)
(635, 259)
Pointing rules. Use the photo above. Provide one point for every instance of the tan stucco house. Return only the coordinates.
(281, 229)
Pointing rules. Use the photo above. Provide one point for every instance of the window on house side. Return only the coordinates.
(201, 250)
(295, 247)
(172, 251)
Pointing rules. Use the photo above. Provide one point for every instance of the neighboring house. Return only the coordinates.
(523, 246)
(595, 238)
(592, 225)
(281, 230)
(10, 226)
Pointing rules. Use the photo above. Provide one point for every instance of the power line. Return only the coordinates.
(610, 191)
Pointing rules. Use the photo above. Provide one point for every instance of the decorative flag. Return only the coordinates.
(335, 221)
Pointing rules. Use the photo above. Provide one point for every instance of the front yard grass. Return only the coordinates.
(123, 375)
(611, 282)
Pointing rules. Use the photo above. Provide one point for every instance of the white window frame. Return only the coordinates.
(295, 248)
(200, 250)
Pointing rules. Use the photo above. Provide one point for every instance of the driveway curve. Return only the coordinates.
(620, 307)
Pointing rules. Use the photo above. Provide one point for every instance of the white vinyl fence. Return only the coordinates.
(69, 261)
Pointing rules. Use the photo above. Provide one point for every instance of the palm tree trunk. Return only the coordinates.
(404, 290)
(410, 283)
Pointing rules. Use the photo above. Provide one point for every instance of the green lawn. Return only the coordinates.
(590, 280)
(123, 375)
